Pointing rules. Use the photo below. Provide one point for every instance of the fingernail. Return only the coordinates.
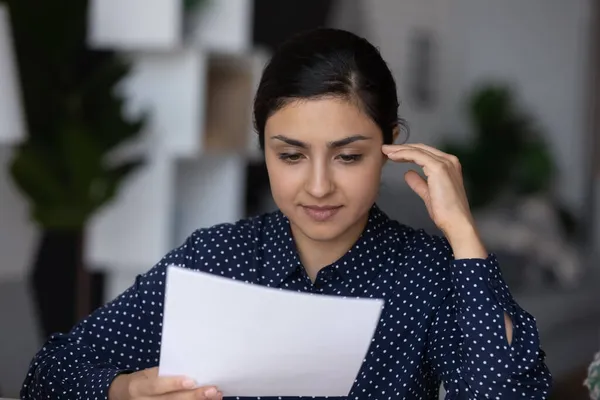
(210, 392)
(189, 384)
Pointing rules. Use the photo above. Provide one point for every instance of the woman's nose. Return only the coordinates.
(319, 183)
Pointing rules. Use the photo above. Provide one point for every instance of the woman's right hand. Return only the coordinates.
(147, 385)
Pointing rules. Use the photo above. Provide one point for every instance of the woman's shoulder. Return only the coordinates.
(422, 253)
(228, 236)
(227, 249)
(421, 242)
(415, 240)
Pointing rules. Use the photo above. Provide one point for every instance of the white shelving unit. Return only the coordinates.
(170, 87)
(135, 24)
(135, 230)
(132, 25)
(198, 92)
(223, 26)
(210, 190)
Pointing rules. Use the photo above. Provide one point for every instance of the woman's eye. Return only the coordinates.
(290, 157)
(350, 158)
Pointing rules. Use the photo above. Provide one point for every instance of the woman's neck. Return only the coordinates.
(317, 254)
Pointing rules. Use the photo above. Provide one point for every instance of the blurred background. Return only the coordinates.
(126, 124)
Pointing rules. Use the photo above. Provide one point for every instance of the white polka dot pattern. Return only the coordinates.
(442, 320)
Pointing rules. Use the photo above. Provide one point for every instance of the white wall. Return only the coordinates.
(389, 25)
(539, 45)
(19, 333)
(18, 235)
(542, 46)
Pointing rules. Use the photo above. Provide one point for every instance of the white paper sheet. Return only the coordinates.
(251, 340)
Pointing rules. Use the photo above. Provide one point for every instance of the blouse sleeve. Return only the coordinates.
(122, 336)
(467, 344)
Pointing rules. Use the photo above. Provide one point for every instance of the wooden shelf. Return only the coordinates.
(228, 104)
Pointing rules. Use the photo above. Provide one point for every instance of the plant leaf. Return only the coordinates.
(35, 177)
(105, 189)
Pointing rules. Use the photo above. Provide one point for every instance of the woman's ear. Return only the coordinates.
(395, 134)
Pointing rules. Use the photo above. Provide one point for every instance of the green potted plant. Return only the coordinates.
(64, 169)
(509, 171)
(592, 381)
(507, 155)
(506, 152)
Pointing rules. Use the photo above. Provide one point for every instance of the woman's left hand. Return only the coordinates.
(443, 193)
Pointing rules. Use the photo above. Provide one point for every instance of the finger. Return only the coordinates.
(150, 373)
(391, 148)
(428, 148)
(421, 157)
(201, 393)
(442, 156)
(209, 393)
(153, 386)
(417, 184)
(450, 157)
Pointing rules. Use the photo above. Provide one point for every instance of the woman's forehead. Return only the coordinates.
(321, 120)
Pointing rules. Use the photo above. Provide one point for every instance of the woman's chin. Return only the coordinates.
(318, 230)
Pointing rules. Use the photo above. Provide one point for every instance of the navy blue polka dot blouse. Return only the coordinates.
(442, 323)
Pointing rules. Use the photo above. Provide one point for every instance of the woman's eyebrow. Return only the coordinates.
(291, 142)
(337, 143)
(347, 141)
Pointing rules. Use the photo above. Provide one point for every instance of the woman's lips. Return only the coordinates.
(321, 213)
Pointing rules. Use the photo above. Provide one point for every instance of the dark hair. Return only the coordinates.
(328, 62)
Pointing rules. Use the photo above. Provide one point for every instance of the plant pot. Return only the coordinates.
(61, 285)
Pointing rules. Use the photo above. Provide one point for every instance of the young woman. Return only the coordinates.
(326, 111)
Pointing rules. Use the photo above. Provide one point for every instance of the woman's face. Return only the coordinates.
(324, 160)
